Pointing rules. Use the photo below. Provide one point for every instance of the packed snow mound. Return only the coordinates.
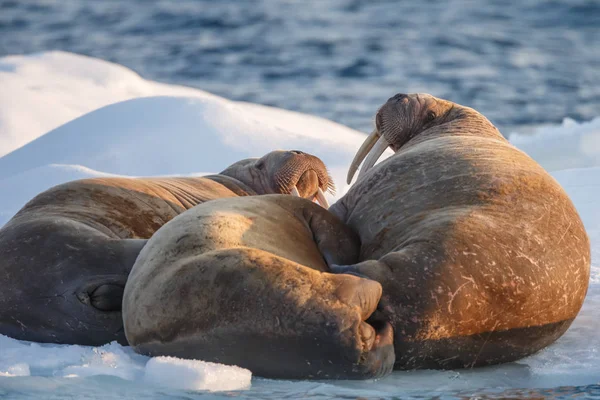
(570, 145)
(43, 91)
(195, 375)
(179, 135)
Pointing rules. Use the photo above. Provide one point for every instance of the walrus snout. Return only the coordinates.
(379, 140)
(398, 120)
(304, 175)
(285, 172)
(308, 184)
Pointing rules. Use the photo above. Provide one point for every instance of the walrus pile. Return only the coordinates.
(457, 251)
(65, 256)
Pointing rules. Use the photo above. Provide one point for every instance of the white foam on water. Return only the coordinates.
(196, 131)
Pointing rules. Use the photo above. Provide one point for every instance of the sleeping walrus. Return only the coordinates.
(482, 256)
(65, 256)
(245, 281)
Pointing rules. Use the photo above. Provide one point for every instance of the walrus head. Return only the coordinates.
(405, 116)
(285, 172)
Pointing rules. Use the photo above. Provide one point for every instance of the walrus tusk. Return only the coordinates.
(376, 152)
(320, 196)
(362, 153)
(321, 199)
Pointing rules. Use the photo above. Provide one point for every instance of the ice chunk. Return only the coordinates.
(19, 358)
(195, 375)
(111, 359)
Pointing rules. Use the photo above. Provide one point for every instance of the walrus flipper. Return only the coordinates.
(250, 308)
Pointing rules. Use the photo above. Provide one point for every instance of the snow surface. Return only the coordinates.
(567, 146)
(196, 131)
(43, 91)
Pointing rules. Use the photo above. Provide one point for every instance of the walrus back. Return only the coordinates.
(124, 208)
(439, 181)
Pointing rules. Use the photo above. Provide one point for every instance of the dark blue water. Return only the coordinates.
(522, 63)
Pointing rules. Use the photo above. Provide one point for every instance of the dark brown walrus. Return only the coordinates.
(65, 256)
(482, 256)
(245, 281)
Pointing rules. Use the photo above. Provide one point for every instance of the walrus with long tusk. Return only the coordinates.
(482, 256)
(65, 256)
(245, 281)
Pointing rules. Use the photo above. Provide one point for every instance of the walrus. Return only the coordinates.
(245, 281)
(482, 256)
(65, 256)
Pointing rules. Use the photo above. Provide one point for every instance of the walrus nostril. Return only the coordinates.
(398, 97)
(378, 121)
(296, 152)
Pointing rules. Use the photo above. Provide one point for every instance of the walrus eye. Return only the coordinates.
(260, 165)
(430, 116)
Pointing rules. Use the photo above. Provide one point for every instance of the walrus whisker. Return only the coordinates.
(330, 187)
(376, 152)
(362, 152)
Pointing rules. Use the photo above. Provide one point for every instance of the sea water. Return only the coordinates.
(520, 62)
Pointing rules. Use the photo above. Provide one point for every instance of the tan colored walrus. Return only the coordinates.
(242, 281)
(481, 254)
(65, 256)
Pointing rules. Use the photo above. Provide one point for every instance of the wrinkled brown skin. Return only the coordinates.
(482, 256)
(242, 281)
(65, 256)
